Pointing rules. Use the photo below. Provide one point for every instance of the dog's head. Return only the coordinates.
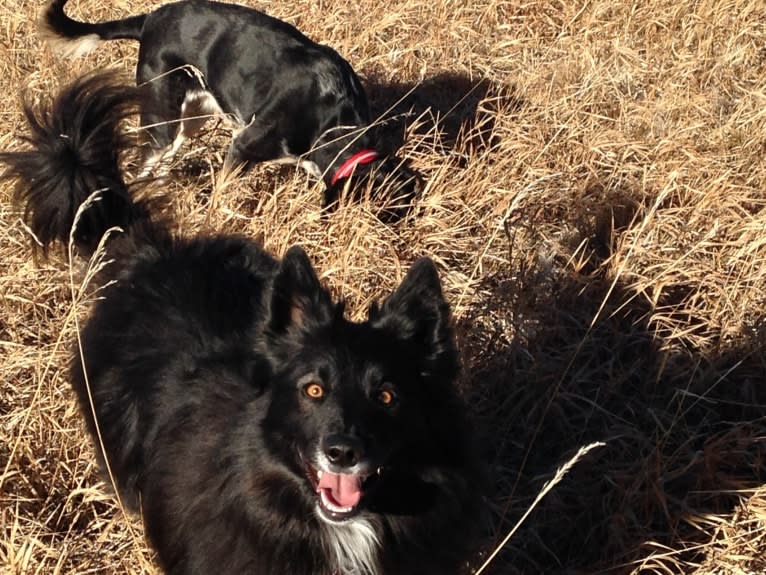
(390, 182)
(352, 403)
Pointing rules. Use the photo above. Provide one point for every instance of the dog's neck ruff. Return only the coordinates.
(347, 168)
(354, 546)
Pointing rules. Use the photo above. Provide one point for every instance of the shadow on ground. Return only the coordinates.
(447, 108)
(549, 370)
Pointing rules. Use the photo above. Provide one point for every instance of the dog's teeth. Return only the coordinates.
(319, 473)
(332, 507)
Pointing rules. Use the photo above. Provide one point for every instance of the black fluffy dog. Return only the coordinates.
(256, 429)
(290, 99)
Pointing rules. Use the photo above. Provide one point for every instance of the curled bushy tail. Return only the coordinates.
(76, 143)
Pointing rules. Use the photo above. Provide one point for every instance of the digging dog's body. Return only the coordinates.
(292, 100)
(256, 429)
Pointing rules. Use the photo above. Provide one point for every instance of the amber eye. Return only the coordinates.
(314, 390)
(386, 397)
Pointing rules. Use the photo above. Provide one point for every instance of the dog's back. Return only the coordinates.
(289, 99)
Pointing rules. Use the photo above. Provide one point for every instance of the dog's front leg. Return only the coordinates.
(256, 142)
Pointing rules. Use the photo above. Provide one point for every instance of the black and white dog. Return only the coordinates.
(257, 430)
(290, 99)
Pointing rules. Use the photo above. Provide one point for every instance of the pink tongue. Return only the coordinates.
(345, 490)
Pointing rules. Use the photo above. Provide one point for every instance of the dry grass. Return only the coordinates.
(595, 198)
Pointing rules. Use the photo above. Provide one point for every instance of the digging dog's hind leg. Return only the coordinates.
(175, 106)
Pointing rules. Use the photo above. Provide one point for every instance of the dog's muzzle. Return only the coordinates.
(340, 477)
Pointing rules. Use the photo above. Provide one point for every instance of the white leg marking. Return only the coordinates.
(198, 106)
(306, 165)
(151, 162)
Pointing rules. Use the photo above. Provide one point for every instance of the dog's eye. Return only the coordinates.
(314, 390)
(386, 397)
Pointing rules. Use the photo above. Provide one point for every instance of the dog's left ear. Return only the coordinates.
(297, 298)
(418, 313)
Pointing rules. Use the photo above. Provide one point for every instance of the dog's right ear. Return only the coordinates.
(298, 301)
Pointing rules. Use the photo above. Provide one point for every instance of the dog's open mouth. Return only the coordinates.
(339, 493)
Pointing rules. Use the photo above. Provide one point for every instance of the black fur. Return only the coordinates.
(223, 379)
(292, 98)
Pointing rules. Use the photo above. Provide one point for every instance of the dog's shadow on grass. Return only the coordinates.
(444, 108)
(556, 360)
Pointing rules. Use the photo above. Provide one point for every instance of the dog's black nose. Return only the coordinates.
(343, 450)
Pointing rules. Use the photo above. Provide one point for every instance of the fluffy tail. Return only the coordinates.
(74, 38)
(76, 143)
